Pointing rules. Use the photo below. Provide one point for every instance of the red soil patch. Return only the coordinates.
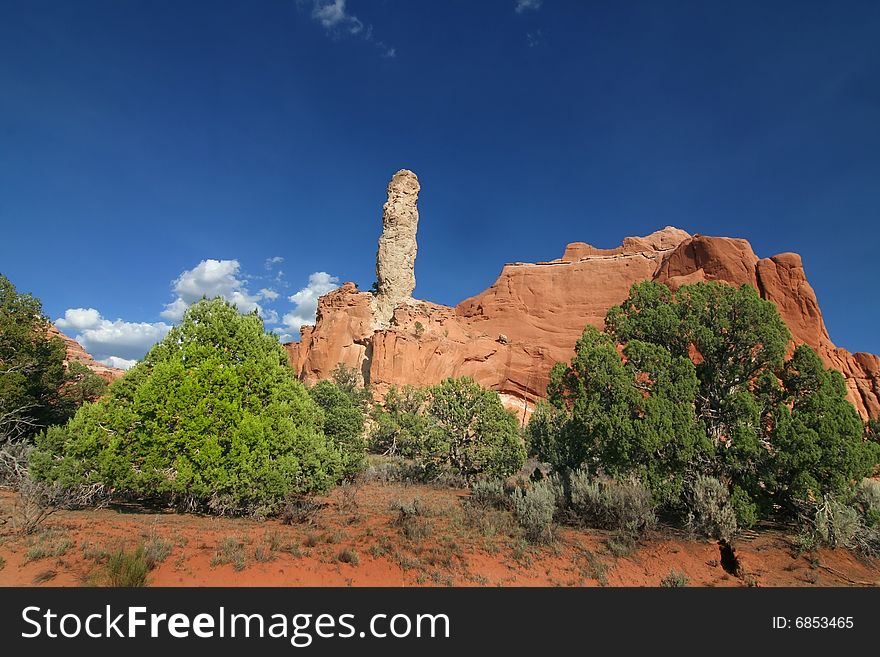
(357, 540)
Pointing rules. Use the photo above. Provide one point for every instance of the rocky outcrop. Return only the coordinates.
(76, 352)
(782, 280)
(396, 257)
(509, 336)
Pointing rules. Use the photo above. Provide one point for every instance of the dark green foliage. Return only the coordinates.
(702, 389)
(402, 425)
(212, 417)
(623, 417)
(350, 381)
(81, 385)
(472, 432)
(455, 425)
(343, 424)
(818, 443)
(31, 367)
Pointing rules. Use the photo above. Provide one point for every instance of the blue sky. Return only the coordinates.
(152, 150)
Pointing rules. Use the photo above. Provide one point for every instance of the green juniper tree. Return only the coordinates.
(36, 389)
(213, 417)
(701, 389)
(343, 423)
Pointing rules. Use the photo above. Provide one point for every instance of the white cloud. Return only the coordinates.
(79, 319)
(214, 278)
(175, 310)
(121, 363)
(336, 19)
(306, 300)
(105, 339)
(271, 262)
(526, 5)
(332, 15)
(283, 335)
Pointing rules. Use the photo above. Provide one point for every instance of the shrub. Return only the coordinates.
(127, 569)
(472, 432)
(456, 428)
(674, 579)
(299, 509)
(343, 424)
(868, 498)
(702, 384)
(709, 509)
(834, 523)
(351, 382)
(534, 510)
(625, 506)
(230, 551)
(489, 493)
(38, 500)
(412, 519)
(350, 556)
(156, 549)
(401, 426)
(212, 418)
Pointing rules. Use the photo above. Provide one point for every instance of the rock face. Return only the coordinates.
(75, 351)
(396, 258)
(509, 336)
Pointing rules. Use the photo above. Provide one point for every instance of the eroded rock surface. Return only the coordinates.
(396, 257)
(509, 336)
(75, 351)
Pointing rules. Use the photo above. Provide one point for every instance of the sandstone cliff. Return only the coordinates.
(75, 351)
(509, 336)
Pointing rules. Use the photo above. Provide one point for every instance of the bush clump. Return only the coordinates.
(535, 508)
(868, 499)
(213, 418)
(835, 524)
(695, 382)
(489, 493)
(625, 506)
(343, 424)
(456, 426)
(709, 510)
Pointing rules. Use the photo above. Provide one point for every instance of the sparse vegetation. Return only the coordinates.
(126, 568)
(48, 543)
(299, 509)
(624, 506)
(489, 493)
(349, 555)
(412, 519)
(230, 551)
(674, 579)
(156, 550)
(534, 510)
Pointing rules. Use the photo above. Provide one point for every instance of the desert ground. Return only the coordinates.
(358, 536)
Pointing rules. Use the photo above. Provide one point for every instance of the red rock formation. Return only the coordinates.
(509, 336)
(75, 351)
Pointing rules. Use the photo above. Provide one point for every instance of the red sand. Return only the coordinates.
(451, 547)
